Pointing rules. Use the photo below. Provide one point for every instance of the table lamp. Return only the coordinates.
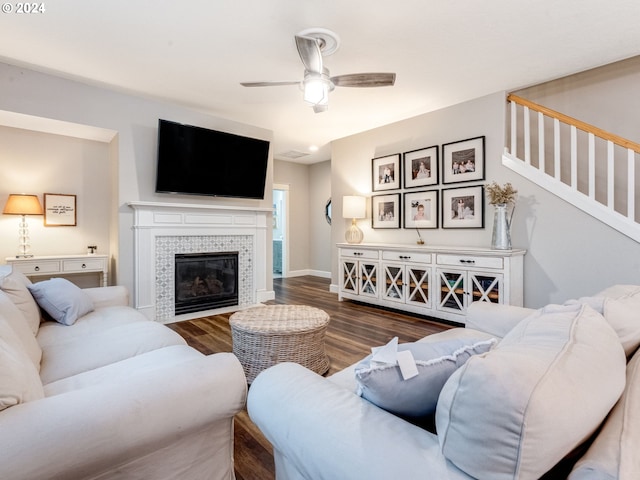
(354, 207)
(22, 204)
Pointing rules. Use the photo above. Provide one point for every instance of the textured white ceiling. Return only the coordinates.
(196, 53)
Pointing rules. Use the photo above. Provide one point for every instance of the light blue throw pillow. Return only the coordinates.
(416, 397)
(61, 299)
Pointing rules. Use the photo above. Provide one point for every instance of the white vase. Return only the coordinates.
(501, 238)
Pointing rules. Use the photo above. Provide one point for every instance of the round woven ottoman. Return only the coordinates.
(264, 336)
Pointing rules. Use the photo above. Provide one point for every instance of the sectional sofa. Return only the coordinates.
(96, 391)
(516, 394)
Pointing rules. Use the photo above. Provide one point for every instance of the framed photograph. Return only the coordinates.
(59, 210)
(385, 173)
(385, 211)
(421, 209)
(421, 167)
(463, 161)
(463, 207)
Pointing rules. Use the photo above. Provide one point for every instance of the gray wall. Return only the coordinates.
(319, 229)
(132, 152)
(309, 233)
(569, 253)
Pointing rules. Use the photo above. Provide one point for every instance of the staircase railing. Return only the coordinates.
(589, 167)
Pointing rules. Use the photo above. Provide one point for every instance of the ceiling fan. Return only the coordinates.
(312, 45)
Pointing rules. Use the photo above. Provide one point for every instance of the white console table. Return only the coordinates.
(439, 282)
(61, 265)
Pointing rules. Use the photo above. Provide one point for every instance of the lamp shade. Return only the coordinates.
(354, 206)
(22, 204)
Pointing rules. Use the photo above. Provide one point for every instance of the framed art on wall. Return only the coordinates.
(421, 167)
(385, 211)
(463, 161)
(385, 173)
(421, 209)
(59, 210)
(463, 207)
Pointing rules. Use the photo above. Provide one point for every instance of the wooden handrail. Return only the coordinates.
(618, 140)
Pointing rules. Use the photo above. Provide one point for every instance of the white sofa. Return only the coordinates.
(531, 406)
(112, 395)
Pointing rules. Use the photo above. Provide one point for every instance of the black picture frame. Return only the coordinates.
(386, 211)
(463, 207)
(421, 167)
(428, 201)
(386, 173)
(463, 161)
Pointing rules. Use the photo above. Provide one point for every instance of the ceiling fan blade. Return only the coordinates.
(267, 84)
(364, 80)
(310, 53)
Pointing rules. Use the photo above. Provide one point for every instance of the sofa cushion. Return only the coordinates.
(98, 348)
(384, 385)
(614, 452)
(620, 306)
(61, 299)
(519, 409)
(19, 380)
(10, 314)
(14, 284)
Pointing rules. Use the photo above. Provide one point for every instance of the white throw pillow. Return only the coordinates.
(19, 380)
(415, 397)
(14, 284)
(61, 299)
(516, 411)
(620, 306)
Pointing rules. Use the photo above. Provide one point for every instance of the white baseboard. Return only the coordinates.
(315, 273)
(333, 288)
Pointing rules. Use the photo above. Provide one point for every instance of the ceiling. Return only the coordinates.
(196, 54)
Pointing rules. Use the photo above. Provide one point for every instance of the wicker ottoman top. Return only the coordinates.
(279, 319)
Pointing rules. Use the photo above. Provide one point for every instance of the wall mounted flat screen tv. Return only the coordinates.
(198, 161)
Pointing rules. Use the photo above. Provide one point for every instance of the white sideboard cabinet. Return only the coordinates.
(435, 281)
(62, 265)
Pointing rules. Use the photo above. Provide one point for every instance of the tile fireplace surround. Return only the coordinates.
(162, 230)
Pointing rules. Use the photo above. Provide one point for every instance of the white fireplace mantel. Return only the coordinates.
(181, 223)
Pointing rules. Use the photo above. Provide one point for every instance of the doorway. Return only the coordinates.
(280, 230)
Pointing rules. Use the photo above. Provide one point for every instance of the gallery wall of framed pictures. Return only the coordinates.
(416, 189)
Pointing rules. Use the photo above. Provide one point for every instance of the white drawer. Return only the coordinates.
(356, 253)
(408, 257)
(470, 261)
(37, 268)
(80, 265)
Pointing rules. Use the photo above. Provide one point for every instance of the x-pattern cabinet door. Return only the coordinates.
(349, 276)
(394, 282)
(368, 279)
(418, 285)
(452, 296)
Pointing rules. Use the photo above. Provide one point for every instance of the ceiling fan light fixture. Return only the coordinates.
(316, 90)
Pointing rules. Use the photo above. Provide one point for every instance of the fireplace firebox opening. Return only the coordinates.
(205, 281)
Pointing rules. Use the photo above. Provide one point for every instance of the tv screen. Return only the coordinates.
(198, 161)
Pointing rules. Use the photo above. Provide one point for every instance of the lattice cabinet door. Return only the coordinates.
(486, 287)
(394, 283)
(368, 279)
(451, 290)
(349, 276)
(418, 284)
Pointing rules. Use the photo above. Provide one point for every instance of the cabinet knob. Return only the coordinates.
(36, 268)
(84, 265)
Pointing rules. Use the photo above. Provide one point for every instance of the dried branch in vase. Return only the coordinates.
(501, 193)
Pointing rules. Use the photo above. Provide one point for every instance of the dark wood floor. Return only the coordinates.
(354, 328)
